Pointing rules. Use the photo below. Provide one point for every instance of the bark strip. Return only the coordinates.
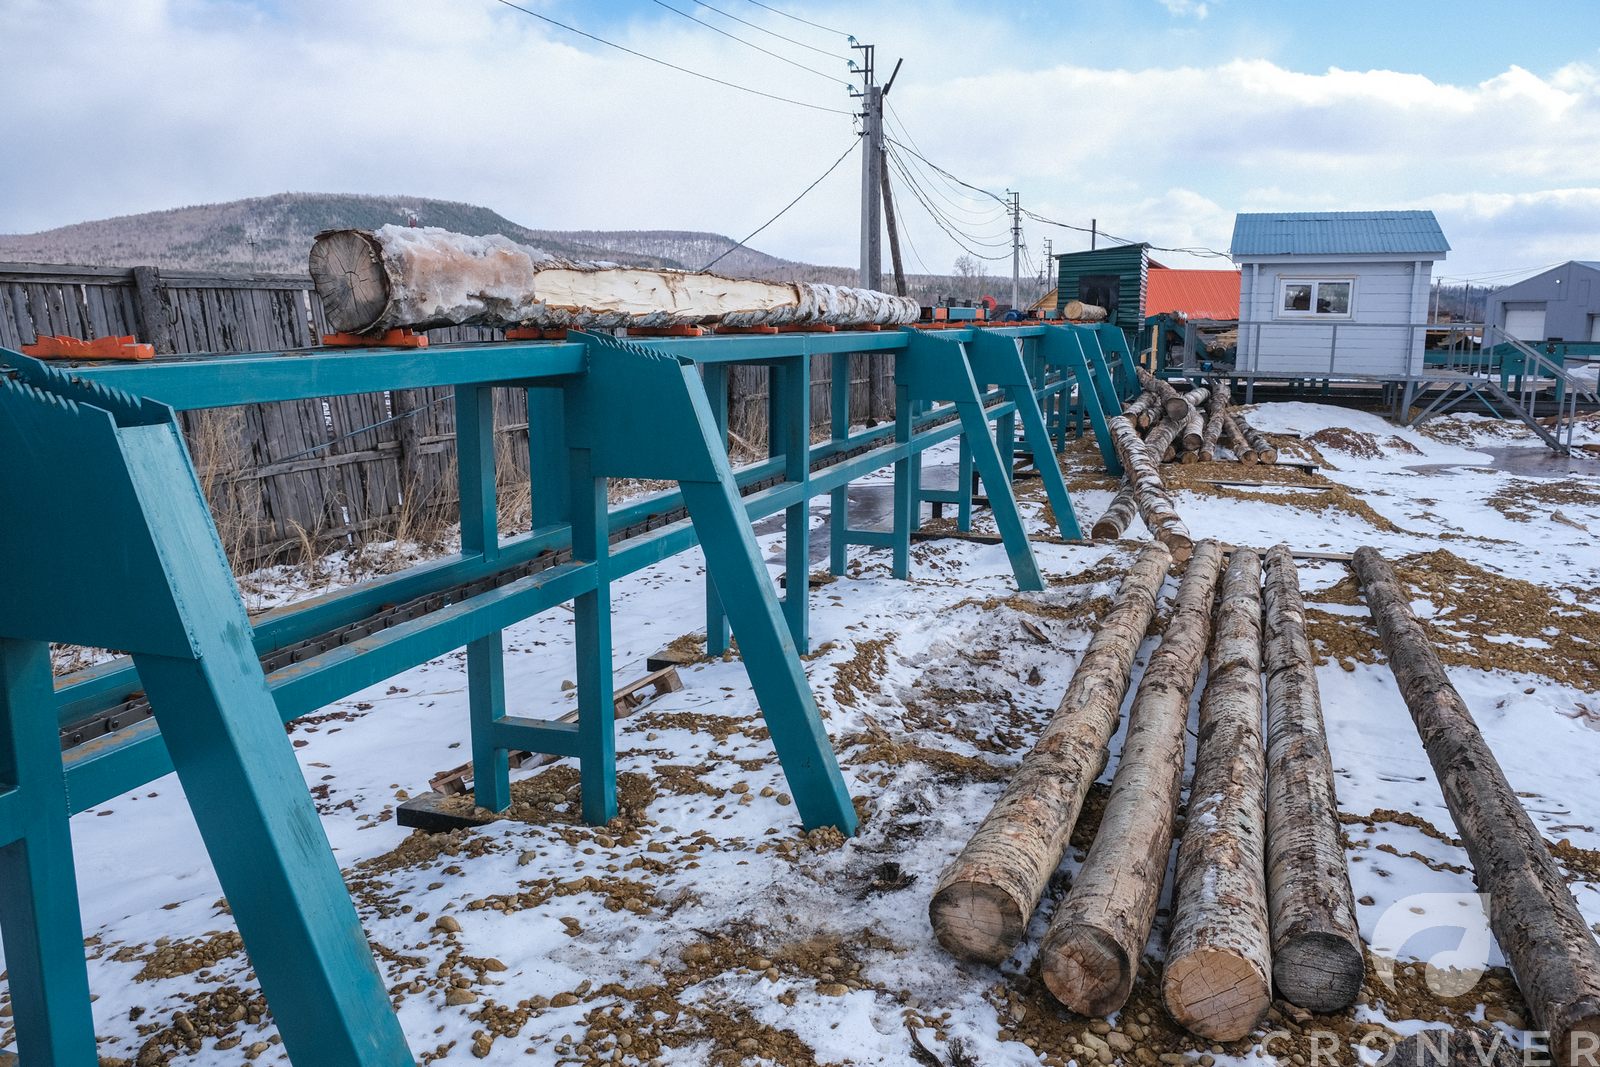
(1096, 938)
(984, 900)
(1534, 917)
(1317, 961)
(1218, 976)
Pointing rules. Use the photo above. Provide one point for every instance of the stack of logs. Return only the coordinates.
(1162, 425)
(1262, 896)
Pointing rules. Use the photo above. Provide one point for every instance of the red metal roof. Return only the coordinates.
(1198, 294)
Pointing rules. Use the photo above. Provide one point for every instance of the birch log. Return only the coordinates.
(1218, 976)
(1159, 386)
(419, 277)
(1534, 917)
(1263, 449)
(1117, 516)
(1178, 405)
(1236, 439)
(1155, 506)
(982, 904)
(1194, 425)
(1316, 946)
(1096, 938)
(1214, 420)
(1143, 409)
(1078, 311)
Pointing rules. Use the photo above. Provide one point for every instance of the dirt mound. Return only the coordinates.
(1351, 442)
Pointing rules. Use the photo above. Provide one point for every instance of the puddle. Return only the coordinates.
(1523, 460)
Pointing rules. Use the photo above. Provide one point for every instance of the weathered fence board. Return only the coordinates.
(367, 467)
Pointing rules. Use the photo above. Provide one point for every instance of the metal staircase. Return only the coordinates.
(1508, 377)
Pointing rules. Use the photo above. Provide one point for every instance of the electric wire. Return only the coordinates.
(748, 44)
(938, 221)
(797, 18)
(986, 240)
(671, 66)
(773, 33)
(833, 167)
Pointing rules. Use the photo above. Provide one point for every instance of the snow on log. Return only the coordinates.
(1078, 311)
(1532, 912)
(1236, 439)
(1316, 947)
(1119, 513)
(1263, 449)
(420, 277)
(1155, 506)
(1218, 976)
(1214, 420)
(1096, 938)
(982, 904)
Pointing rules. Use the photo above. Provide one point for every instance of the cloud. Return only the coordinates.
(468, 100)
(1196, 9)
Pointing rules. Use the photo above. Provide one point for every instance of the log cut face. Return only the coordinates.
(1531, 910)
(1218, 976)
(1119, 513)
(1091, 951)
(1317, 960)
(982, 904)
(420, 277)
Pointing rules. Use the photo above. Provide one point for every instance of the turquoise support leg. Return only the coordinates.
(480, 535)
(547, 462)
(794, 378)
(839, 499)
(714, 377)
(904, 483)
(1062, 348)
(964, 487)
(39, 918)
(592, 622)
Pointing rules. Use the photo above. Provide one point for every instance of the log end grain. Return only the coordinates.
(1269, 455)
(1318, 971)
(977, 920)
(1086, 969)
(1105, 530)
(347, 268)
(1216, 993)
(1575, 1041)
(1181, 545)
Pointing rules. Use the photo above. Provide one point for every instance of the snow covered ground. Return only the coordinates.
(704, 927)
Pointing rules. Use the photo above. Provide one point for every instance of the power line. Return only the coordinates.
(771, 33)
(797, 18)
(749, 44)
(834, 166)
(670, 66)
(947, 223)
(938, 221)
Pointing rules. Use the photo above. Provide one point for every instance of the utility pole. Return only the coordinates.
(1016, 245)
(1094, 233)
(1044, 267)
(871, 97)
(894, 234)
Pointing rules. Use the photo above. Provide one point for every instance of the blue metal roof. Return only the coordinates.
(1337, 233)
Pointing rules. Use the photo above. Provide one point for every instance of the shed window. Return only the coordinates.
(1313, 297)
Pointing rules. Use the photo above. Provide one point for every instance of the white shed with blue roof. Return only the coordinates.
(1334, 294)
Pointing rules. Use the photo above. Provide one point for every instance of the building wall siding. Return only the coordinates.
(1570, 294)
(1380, 338)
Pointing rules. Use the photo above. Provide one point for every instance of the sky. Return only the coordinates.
(1158, 119)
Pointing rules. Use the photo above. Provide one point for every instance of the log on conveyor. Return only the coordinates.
(1263, 448)
(1532, 912)
(1096, 938)
(1236, 439)
(984, 900)
(1155, 506)
(1118, 514)
(1218, 976)
(1078, 311)
(1214, 420)
(420, 277)
(1317, 961)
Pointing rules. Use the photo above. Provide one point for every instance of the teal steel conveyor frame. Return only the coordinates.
(129, 559)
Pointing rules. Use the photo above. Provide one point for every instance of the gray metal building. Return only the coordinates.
(1562, 304)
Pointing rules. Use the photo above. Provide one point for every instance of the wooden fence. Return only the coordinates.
(303, 474)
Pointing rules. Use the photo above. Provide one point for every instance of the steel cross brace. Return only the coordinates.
(1064, 348)
(162, 589)
(996, 360)
(933, 370)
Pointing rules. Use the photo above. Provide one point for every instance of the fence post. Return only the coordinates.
(152, 309)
